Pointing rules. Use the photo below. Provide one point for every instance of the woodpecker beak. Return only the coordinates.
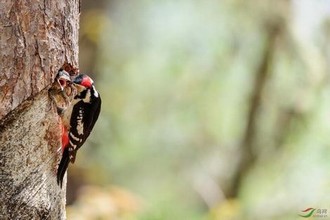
(63, 79)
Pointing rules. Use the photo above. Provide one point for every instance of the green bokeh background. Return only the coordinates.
(181, 109)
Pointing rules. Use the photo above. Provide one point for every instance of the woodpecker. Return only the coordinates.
(78, 121)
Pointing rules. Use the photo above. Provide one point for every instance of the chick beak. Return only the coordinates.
(63, 79)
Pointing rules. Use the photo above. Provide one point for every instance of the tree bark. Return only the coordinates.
(36, 38)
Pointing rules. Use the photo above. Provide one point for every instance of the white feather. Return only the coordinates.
(74, 137)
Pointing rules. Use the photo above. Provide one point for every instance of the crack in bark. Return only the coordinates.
(39, 55)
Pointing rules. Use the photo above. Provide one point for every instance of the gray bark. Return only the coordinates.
(36, 38)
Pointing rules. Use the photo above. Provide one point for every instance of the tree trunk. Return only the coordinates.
(37, 38)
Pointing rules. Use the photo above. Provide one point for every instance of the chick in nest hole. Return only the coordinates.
(62, 91)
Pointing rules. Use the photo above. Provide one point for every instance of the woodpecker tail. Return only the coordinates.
(63, 166)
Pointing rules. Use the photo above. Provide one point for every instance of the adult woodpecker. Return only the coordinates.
(78, 121)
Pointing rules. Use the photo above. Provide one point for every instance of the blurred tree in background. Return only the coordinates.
(211, 110)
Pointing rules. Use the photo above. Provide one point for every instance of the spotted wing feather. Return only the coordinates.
(81, 126)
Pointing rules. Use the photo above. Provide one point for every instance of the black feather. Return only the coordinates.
(90, 113)
(63, 166)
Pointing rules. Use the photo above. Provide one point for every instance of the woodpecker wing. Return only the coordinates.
(86, 115)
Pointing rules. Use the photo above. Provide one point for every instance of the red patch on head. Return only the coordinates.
(87, 82)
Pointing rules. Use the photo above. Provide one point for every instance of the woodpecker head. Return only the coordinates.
(85, 83)
(63, 79)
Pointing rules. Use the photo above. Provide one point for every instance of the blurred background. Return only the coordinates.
(211, 110)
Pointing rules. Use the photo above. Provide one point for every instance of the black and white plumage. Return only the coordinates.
(79, 119)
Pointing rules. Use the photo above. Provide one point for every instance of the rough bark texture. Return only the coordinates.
(36, 38)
